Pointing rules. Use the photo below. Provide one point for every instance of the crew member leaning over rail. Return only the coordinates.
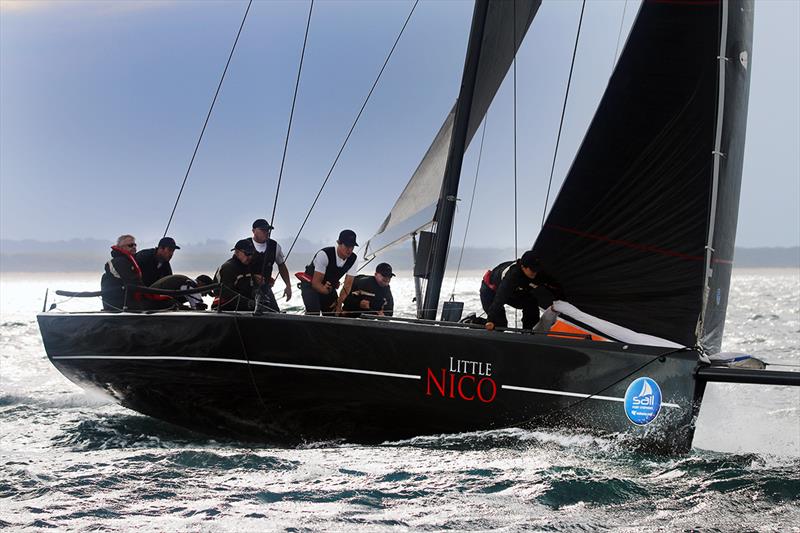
(121, 270)
(371, 295)
(519, 284)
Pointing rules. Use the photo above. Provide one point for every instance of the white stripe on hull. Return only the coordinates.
(336, 369)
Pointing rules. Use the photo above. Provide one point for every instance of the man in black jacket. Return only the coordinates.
(237, 292)
(154, 262)
(520, 284)
(371, 294)
(121, 272)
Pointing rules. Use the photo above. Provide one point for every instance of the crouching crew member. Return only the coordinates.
(321, 278)
(237, 291)
(120, 271)
(154, 262)
(179, 282)
(268, 253)
(371, 294)
(520, 284)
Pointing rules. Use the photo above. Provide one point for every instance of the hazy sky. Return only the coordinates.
(102, 103)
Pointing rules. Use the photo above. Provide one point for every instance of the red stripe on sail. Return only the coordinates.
(636, 246)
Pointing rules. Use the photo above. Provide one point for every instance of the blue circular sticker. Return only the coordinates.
(642, 401)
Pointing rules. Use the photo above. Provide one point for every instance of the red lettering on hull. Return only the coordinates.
(462, 386)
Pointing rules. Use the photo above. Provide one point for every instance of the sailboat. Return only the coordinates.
(641, 236)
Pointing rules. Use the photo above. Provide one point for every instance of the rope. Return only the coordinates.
(291, 113)
(469, 213)
(247, 357)
(208, 116)
(619, 35)
(626, 376)
(514, 65)
(353, 127)
(563, 111)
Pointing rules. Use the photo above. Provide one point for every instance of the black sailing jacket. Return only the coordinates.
(512, 285)
(152, 271)
(367, 288)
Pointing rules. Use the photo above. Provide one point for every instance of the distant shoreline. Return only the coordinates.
(89, 255)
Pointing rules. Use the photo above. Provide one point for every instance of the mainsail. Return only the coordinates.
(416, 206)
(655, 183)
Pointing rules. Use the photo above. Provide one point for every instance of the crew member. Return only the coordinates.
(179, 282)
(520, 284)
(268, 253)
(371, 294)
(321, 278)
(237, 291)
(154, 262)
(121, 271)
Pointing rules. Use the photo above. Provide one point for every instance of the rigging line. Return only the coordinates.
(572, 406)
(619, 35)
(514, 64)
(471, 203)
(563, 111)
(208, 116)
(353, 127)
(291, 113)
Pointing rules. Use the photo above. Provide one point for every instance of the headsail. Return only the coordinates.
(416, 206)
(627, 233)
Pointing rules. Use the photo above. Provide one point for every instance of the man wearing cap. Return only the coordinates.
(371, 294)
(322, 275)
(520, 284)
(268, 253)
(237, 290)
(154, 262)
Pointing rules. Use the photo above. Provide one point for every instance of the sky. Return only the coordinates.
(101, 104)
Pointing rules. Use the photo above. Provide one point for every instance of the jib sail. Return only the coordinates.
(416, 206)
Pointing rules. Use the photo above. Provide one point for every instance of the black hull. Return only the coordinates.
(290, 378)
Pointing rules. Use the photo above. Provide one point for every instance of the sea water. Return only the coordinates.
(70, 460)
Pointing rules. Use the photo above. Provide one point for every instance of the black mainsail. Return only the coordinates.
(655, 183)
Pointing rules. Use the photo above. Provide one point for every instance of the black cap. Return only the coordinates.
(202, 279)
(385, 270)
(262, 224)
(245, 245)
(348, 237)
(168, 242)
(530, 260)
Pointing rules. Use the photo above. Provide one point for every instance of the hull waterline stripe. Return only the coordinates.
(243, 362)
(576, 394)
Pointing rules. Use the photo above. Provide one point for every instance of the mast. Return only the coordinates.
(446, 207)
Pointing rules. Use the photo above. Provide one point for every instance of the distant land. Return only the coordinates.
(89, 255)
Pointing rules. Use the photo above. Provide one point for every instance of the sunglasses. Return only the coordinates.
(132, 245)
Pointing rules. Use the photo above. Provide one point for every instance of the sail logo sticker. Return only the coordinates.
(642, 401)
